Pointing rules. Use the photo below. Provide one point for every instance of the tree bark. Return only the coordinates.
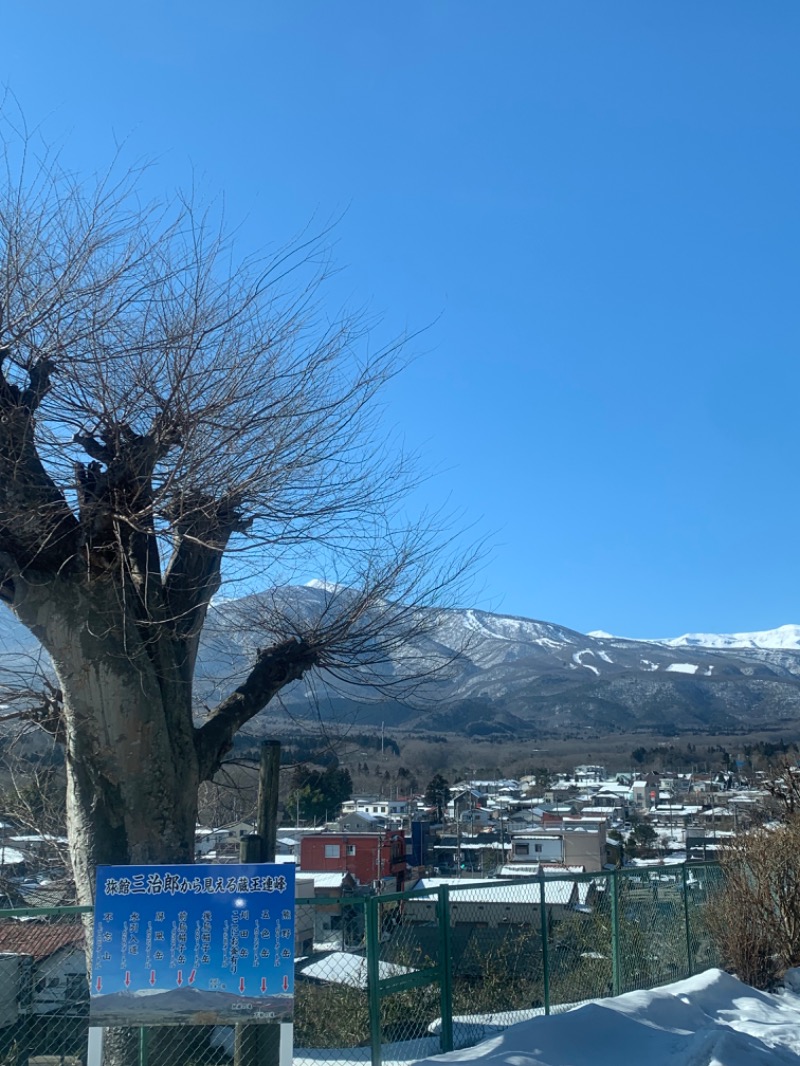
(132, 769)
(131, 763)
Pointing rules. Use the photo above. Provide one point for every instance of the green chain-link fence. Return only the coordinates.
(391, 978)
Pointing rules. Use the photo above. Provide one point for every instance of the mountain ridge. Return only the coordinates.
(520, 676)
(504, 675)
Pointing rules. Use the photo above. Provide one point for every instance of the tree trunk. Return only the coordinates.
(131, 764)
(132, 768)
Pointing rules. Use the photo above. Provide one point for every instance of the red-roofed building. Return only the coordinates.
(50, 966)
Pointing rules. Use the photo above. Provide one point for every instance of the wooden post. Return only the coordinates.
(268, 780)
(260, 1045)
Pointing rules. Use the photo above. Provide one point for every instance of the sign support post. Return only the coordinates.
(260, 1045)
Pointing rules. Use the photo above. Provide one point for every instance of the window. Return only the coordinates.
(520, 849)
(332, 851)
(351, 849)
(76, 986)
(537, 848)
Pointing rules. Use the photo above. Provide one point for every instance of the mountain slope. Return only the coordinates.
(509, 675)
(519, 676)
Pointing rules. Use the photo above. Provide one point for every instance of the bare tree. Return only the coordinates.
(163, 409)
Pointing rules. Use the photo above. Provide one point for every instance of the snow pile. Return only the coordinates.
(708, 1020)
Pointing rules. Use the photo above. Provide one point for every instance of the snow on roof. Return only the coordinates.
(555, 892)
(48, 893)
(677, 808)
(324, 880)
(38, 838)
(344, 968)
(10, 856)
(666, 863)
(521, 869)
(489, 845)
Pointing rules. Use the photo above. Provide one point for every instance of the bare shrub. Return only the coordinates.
(755, 917)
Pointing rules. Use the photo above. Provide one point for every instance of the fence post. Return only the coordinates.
(545, 935)
(142, 1046)
(616, 976)
(372, 931)
(445, 969)
(689, 953)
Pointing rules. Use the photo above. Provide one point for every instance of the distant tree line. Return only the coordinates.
(317, 795)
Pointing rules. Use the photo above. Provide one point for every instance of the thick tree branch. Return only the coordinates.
(38, 527)
(115, 506)
(274, 668)
(193, 578)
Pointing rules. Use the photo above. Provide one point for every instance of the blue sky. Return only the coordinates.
(593, 206)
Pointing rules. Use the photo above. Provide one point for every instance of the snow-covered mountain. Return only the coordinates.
(508, 675)
(520, 676)
(784, 637)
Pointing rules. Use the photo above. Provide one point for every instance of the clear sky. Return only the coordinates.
(595, 207)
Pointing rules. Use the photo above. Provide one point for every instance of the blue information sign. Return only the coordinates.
(211, 944)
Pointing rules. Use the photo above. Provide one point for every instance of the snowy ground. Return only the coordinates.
(708, 1020)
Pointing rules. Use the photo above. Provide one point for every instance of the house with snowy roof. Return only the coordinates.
(493, 903)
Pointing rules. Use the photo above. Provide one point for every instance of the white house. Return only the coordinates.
(376, 806)
(225, 840)
(537, 847)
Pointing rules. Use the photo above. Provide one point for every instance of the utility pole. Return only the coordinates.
(458, 838)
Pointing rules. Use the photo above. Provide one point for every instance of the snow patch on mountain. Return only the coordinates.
(783, 638)
(516, 630)
(324, 586)
(578, 660)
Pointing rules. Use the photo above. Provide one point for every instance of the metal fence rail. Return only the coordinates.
(392, 978)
